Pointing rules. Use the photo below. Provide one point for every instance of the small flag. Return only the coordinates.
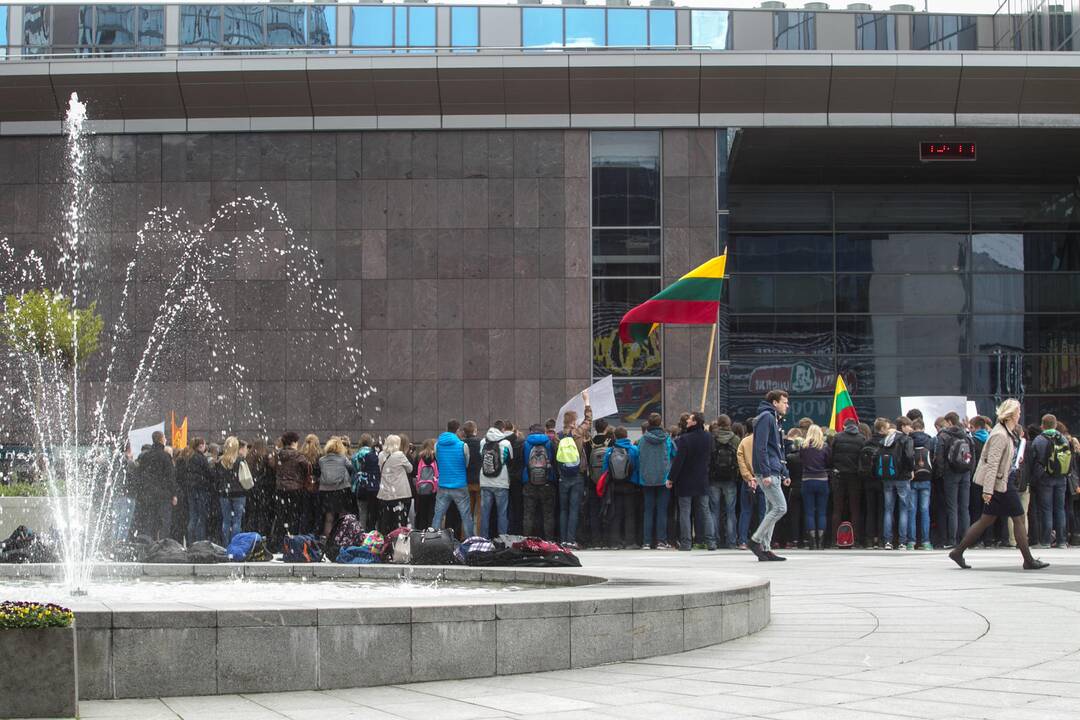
(178, 435)
(842, 407)
(693, 299)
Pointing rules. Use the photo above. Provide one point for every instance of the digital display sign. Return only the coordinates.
(939, 150)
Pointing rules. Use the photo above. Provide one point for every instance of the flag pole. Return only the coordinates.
(708, 366)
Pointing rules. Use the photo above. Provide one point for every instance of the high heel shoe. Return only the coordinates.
(1036, 564)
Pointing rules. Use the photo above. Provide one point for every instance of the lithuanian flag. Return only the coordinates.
(842, 407)
(693, 299)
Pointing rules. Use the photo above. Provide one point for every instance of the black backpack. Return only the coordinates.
(724, 462)
(888, 461)
(491, 459)
(539, 464)
(619, 465)
(923, 467)
(960, 454)
(867, 458)
(596, 461)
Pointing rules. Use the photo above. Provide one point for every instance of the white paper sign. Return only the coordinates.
(972, 411)
(601, 398)
(143, 436)
(934, 407)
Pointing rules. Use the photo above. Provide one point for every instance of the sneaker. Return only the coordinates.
(571, 546)
(758, 550)
(711, 548)
(662, 546)
(743, 546)
(699, 546)
(926, 546)
(770, 555)
(909, 546)
(888, 546)
(646, 547)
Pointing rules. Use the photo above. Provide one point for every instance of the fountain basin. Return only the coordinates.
(540, 619)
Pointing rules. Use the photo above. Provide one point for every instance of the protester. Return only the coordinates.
(497, 453)
(769, 470)
(690, 479)
(573, 464)
(395, 492)
(198, 483)
(291, 471)
(453, 456)
(602, 439)
(335, 485)
(724, 482)
(655, 453)
(622, 490)
(426, 465)
(953, 462)
(538, 479)
(472, 471)
(1053, 458)
(922, 474)
(816, 458)
(312, 450)
(232, 495)
(157, 491)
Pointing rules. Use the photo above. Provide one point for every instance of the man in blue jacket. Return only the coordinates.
(452, 455)
(622, 463)
(690, 477)
(769, 470)
(539, 478)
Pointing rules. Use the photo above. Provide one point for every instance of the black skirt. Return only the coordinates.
(1004, 504)
(338, 501)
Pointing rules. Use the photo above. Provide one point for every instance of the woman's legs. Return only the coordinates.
(970, 538)
(328, 524)
(1019, 524)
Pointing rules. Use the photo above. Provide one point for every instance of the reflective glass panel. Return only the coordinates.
(1049, 374)
(1061, 32)
(1001, 293)
(1052, 210)
(401, 27)
(781, 293)
(285, 25)
(465, 27)
(322, 25)
(626, 179)
(901, 252)
(710, 29)
(200, 25)
(151, 26)
(802, 375)
(373, 26)
(421, 27)
(902, 211)
(875, 31)
(243, 26)
(542, 27)
(116, 25)
(626, 253)
(584, 27)
(780, 334)
(796, 252)
(1007, 333)
(626, 28)
(943, 32)
(71, 25)
(901, 334)
(636, 399)
(3, 25)
(1053, 252)
(794, 31)
(85, 18)
(36, 28)
(921, 294)
(780, 211)
(905, 376)
(662, 28)
(611, 300)
(997, 252)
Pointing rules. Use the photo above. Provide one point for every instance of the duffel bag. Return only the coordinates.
(432, 547)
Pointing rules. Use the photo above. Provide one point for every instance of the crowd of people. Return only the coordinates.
(695, 484)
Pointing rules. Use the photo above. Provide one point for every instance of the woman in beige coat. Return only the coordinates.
(996, 473)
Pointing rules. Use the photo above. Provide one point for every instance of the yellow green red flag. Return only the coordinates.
(693, 299)
(843, 409)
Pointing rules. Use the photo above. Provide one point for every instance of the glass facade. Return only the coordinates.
(465, 27)
(943, 32)
(626, 263)
(794, 31)
(710, 29)
(257, 26)
(875, 31)
(904, 293)
(549, 27)
(96, 29)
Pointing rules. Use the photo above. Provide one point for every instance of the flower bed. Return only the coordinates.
(14, 614)
(38, 640)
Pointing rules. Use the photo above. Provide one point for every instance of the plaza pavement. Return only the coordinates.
(855, 635)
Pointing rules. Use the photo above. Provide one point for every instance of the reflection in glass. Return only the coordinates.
(465, 27)
(901, 252)
(3, 26)
(780, 211)
(1050, 210)
(808, 375)
(781, 293)
(662, 28)
(542, 27)
(795, 252)
(243, 26)
(902, 335)
(902, 211)
(421, 27)
(285, 25)
(923, 294)
(200, 25)
(636, 399)
(373, 26)
(780, 334)
(626, 28)
(943, 32)
(85, 32)
(626, 253)
(1001, 293)
(794, 31)
(611, 300)
(626, 179)
(151, 26)
(904, 376)
(710, 29)
(997, 252)
(36, 29)
(1004, 332)
(584, 27)
(71, 26)
(875, 31)
(322, 25)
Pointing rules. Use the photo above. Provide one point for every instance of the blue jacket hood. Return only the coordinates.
(451, 458)
(982, 435)
(532, 441)
(768, 452)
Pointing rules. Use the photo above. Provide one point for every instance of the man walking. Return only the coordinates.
(690, 478)
(769, 470)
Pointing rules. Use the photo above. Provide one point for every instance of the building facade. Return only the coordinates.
(489, 188)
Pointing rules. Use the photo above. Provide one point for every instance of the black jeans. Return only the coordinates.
(590, 530)
(544, 497)
(287, 516)
(875, 509)
(623, 524)
(847, 503)
(393, 514)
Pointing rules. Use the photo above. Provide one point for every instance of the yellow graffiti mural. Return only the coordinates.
(620, 359)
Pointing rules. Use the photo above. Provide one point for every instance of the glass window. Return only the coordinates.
(85, 19)
(465, 27)
(626, 28)
(802, 252)
(285, 25)
(71, 26)
(200, 25)
(1055, 252)
(903, 376)
(542, 27)
(421, 27)
(780, 211)
(710, 29)
(322, 25)
(626, 179)
(585, 27)
(636, 399)
(626, 253)
(401, 27)
(662, 28)
(902, 335)
(943, 32)
(243, 26)
(781, 293)
(802, 375)
(1061, 31)
(1007, 332)
(912, 294)
(37, 33)
(901, 252)
(611, 300)
(152, 26)
(1052, 210)
(781, 334)
(875, 31)
(115, 25)
(794, 31)
(902, 211)
(3, 26)
(373, 26)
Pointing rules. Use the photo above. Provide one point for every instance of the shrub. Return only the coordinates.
(34, 615)
(44, 322)
(23, 489)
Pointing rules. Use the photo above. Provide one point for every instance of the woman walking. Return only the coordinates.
(816, 458)
(996, 473)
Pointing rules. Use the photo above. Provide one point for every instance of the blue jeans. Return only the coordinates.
(571, 491)
(460, 497)
(232, 514)
(957, 496)
(919, 509)
(726, 490)
(123, 512)
(656, 506)
(815, 496)
(1051, 492)
(747, 500)
(702, 519)
(775, 508)
(501, 498)
(198, 513)
(897, 489)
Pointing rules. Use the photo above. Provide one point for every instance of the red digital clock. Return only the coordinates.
(935, 150)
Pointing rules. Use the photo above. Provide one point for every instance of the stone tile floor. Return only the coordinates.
(855, 635)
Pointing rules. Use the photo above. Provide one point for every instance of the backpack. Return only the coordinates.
(248, 547)
(845, 535)
(427, 478)
(349, 531)
(431, 547)
(723, 463)
(367, 477)
(472, 546)
(374, 542)
(539, 465)
(1059, 459)
(301, 549)
(205, 551)
(596, 461)
(960, 455)
(166, 550)
(619, 466)
(924, 468)
(867, 459)
(491, 459)
(887, 461)
(356, 555)
(568, 458)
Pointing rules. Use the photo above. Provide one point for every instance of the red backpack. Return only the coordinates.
(845, 535)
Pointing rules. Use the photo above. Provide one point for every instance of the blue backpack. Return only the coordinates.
(301, 549)
(356, 555)
(248, 547)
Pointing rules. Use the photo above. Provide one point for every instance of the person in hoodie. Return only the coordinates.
(690, 478)
(1050, 488)
(291, 470)
(980, 433)
(622, 490)
(724, 480)
(769, 470)
(471, 437)
(898, 488)
(452, 455)
(815, 456)
(655, 452)
(751, 498)
(919, 506)
(956, 481)
(538, 479)
(573, 463)
(496, 454)
(395, 492)
(848, 496)
(596, 449)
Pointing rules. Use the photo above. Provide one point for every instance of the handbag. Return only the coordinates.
(244, 475)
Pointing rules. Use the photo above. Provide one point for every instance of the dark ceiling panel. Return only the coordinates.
(667, 89)
(732, 89)
(342, 92)
(472, 91)
(601, 90)
(790, 89)
(862, 89)
(536, 90)
(990, 90)
(411, 91)
(1051, 90)
(926, 89)
(26, 98)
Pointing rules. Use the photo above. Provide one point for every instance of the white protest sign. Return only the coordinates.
(143, 436)
(972, 411)
(934, 407)
(601, 398)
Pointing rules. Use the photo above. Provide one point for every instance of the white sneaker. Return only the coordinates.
(888, 546)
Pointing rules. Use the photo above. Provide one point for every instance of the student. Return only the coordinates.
(769, 470)
(655, 453)
(690, 480)
(623, 488)
(496, 455)
(453, 456)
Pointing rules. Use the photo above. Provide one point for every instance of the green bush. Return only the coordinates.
(44, 322)
(15, 615)
(23, 489)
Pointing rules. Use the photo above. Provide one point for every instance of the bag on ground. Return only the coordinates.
(845, 535)
(166, 551)
(249, 547)
(399, 546)
(205, 552)
(432, 547)
(354, 555)
(301, 549)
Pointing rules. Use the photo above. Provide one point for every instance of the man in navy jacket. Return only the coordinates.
(769, 470)
(690, 478)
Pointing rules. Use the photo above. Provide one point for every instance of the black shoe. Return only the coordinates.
(756, 548)
(1036, 565)
(711, 548)
(958, 558)
(770, 555)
